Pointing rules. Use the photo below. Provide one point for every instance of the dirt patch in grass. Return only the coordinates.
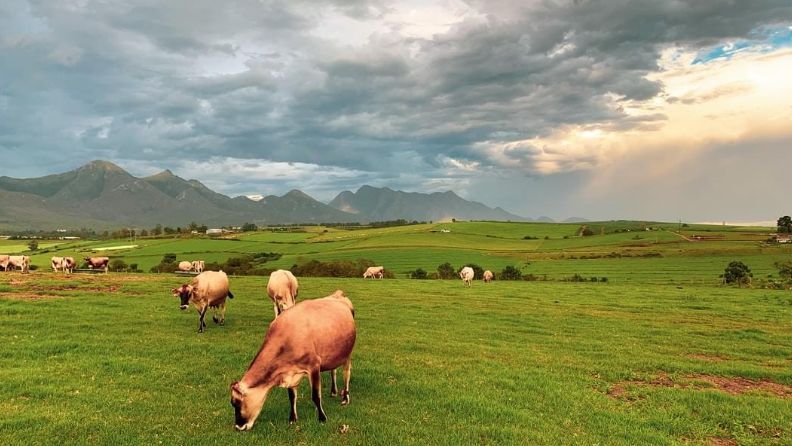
(721, 442)
(739, 385)
(731, 385)
(705, 357)
(28, 296)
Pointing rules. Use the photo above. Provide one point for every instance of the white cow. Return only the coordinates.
(374, 272)
(487, 276)
(57, 264)
(282, 288)
(467, 276)
(21, 262)
(198, 265)
(185, 266)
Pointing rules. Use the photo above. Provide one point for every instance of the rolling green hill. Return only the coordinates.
(553, 251)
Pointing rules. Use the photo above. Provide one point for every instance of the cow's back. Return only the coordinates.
(211, 286)
(323, 327)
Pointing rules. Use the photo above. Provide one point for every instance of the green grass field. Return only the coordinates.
(555, 250)
(109, 359)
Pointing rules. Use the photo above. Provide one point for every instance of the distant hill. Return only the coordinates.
(102, 195)
(380, 204)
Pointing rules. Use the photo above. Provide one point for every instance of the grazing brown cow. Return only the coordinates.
(312, 337)
(467, 276)
(375, 272)
(98, 263)
(68, 264)
(185, 266)
(282, 288)
(207, 290)
(487, 276)
(21, 262)
(198, 266)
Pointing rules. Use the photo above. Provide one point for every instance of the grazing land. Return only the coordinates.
(661, 354)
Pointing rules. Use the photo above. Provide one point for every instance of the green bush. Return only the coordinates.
(510, 273)
(446, 271)
(418, 274)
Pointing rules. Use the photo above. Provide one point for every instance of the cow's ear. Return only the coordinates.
(175, 292)
(237, 390)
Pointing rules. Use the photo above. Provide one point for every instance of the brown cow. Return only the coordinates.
(98, 263)
(282, 288)
(487, 276)
(312, 337)
(21, 262)
(207, 290)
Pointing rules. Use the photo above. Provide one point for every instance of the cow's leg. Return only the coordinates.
(201, 323)
(347, 376)
(292, 404)
(333, 385)
(316, 393)
(220, 309)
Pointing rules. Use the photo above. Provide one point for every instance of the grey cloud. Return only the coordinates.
(134, 80)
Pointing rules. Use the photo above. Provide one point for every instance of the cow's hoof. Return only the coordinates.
(344, 398)
(333, 393)
(215, 319)
(322, 418)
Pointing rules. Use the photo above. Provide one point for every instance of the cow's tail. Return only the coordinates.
(230, 294)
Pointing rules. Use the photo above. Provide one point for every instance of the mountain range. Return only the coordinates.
(101, 194)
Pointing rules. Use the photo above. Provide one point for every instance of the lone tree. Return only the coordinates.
(785, 224)
(784, 269)
(737, 272)
(33, 245)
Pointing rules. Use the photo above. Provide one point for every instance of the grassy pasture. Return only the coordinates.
(109, 359)
(493, 245)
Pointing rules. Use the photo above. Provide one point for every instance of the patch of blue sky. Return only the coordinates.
(763, 40)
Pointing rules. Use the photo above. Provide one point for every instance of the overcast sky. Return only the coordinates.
(656, 109)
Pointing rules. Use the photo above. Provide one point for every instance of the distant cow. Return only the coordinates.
(57, 264)
(21, 262)
(98, 263)
(185, 266)
(315, 336)
(467, 276)
(207, 290)
(4, 261)
(282, 288)
(487, 276)
(69, 264)
(374, 272)
(198, 266)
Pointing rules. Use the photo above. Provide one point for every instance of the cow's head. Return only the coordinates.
(247, 403)
(184, 293)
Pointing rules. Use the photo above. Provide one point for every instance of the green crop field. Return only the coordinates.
(109, 359)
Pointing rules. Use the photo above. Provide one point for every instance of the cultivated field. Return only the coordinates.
(659, 355)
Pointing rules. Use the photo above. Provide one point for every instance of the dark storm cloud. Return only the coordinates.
(160, 82)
